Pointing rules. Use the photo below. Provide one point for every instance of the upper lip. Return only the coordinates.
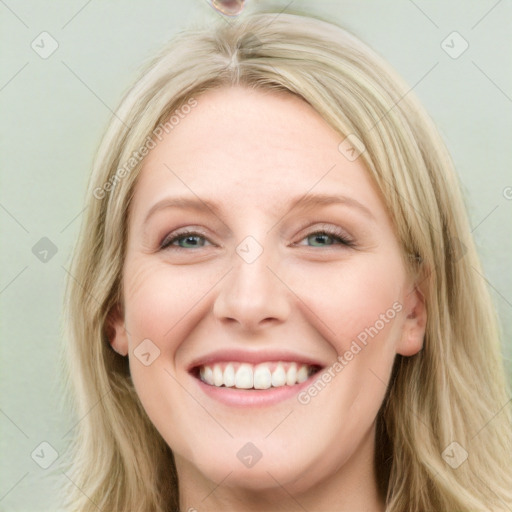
(252, 357)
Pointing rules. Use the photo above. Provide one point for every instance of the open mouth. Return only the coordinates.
(246, 376)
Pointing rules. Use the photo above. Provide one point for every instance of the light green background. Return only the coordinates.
(54, 110)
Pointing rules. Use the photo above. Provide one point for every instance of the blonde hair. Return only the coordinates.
(454, 390)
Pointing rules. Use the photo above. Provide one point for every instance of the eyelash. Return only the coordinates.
(334, 232)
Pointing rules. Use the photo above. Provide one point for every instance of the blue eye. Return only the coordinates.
(325, 238)
(186, 240)
(321, 238)
(328, 236)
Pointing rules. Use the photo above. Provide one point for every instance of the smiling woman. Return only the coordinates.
(275, 307)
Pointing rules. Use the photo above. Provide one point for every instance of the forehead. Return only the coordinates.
(252, 148)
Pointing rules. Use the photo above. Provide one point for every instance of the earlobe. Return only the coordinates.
(413, 331)
(115, 331)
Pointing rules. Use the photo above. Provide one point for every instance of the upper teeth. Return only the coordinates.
(261, 376)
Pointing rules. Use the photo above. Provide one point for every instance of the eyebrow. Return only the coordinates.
(306, 202)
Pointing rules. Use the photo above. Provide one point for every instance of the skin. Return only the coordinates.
(252, 152)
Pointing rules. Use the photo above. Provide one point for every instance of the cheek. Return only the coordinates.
(353, 297)
(163, 305)
(160, 300)
(362, 307)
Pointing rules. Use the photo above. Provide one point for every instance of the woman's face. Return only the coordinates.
(290, 266)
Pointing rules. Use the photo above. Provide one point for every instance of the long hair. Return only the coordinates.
(447, 403)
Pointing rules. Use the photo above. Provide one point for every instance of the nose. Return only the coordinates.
(252, 296)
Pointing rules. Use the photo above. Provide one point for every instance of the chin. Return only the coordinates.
(271, 471)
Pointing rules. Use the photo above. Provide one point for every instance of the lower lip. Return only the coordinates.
(253, 397)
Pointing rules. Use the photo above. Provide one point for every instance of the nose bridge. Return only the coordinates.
(251, 294)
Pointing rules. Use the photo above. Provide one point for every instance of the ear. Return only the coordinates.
(115, 330)
(413, 330)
